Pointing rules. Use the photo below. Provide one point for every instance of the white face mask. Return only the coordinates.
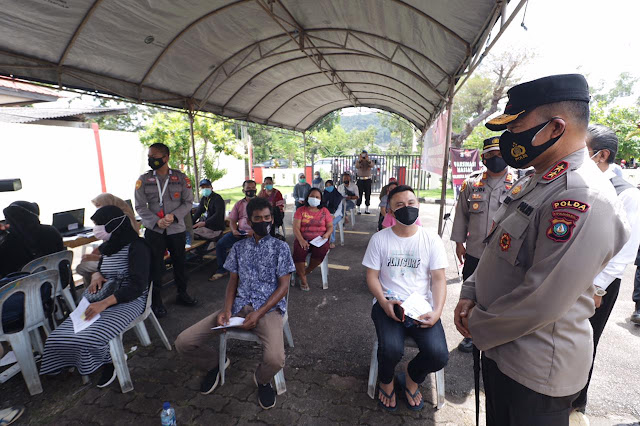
(314, 202)
(100, 231)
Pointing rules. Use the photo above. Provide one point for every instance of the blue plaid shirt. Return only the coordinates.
(259, 265)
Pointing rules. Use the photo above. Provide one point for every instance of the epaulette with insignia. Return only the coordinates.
(557, 170)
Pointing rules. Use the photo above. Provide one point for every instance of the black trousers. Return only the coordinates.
(159, 244)
(364, 186)
(636, 286)
(598, 321)
(511, 404)
(470, 265)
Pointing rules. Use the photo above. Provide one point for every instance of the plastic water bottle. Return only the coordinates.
(168, 415)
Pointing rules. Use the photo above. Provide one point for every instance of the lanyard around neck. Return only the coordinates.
(164, 189)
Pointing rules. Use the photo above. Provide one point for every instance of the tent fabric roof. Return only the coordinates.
(285, 63)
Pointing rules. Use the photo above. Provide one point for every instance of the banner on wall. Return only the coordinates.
(463, 163)
(434, 145)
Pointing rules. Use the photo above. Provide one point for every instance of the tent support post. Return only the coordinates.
(445, 166)
(193, 146)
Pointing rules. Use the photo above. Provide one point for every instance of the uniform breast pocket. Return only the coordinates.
(151, 192)
(477, 206)
(509, 237)
(175, 191)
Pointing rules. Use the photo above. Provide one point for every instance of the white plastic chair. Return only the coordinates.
(248, 336)
(116, 348)
(341, 223)
(52, 262)
(21, 341)
(373, 373)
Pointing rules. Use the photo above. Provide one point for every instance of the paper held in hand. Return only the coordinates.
(318, 241)
(233, 322)
(415, 306)
(79, 320)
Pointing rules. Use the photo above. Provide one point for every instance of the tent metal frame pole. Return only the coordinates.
(193, 146)
(445, 165)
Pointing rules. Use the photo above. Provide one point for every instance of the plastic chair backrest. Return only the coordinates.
(30, 287)
(51, 262)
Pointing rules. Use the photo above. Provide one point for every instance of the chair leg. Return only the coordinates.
(143, 335)
(341, 227)
(440, 388)
(324, 269)
(222, 357)
(287, 333)
(85, 380)
(21, 346)
(68, 298)
(353, 218)
(120, 363)
(36, 340)
(281, 385)
(159, 330)
(373, 371)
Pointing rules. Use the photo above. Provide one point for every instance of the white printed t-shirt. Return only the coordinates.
(405, 264)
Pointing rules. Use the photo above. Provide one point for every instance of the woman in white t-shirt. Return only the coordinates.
(403, 260)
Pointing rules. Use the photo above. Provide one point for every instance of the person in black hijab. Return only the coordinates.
(25, 238)
(125, 257)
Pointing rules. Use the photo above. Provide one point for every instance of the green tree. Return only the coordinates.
(401, 133)
(328, 122)
(212, 138)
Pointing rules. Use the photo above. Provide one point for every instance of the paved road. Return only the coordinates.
(326, 371)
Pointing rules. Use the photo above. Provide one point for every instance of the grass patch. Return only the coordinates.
(236, 194)
(436, 193)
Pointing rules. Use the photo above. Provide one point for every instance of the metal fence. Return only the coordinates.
(405, 168)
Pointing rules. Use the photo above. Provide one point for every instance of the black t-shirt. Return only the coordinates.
(14, 254)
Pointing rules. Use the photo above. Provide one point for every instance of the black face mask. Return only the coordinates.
(517, 149)
(407, 215)
(156, 163)
(261, 228)
(251, 193)
(495, 164)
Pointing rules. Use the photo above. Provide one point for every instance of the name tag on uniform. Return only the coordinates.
(174, 178)
(476, 196)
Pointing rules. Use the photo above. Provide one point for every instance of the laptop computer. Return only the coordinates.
(70, 223)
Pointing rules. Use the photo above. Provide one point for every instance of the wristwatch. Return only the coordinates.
(600, 291)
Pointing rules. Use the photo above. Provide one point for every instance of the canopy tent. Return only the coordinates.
(283, 63)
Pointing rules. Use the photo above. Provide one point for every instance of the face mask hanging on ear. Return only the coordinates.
(517, 149)
(100, 231)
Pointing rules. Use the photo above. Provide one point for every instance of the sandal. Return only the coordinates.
(304, 287)
(403, 383)
(388, 395)
(10, 414)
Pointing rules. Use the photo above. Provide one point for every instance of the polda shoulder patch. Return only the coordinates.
(562, 226)
(570, 204)
(557, 171)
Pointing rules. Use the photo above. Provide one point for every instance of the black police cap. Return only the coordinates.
(547, 90)
(205, 182)
(491, 144)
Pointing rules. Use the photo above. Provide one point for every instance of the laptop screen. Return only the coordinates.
(129, 204)
(68, 221)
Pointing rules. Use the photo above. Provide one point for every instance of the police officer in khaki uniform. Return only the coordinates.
(528, 303)
(480, 196)
(163, 198)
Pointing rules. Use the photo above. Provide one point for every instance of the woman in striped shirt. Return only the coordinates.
(127, 257)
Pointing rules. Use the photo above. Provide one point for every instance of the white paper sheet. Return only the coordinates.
(233, 322)
(415, 306)
(78, 318)
(318, 241)
(8, 359)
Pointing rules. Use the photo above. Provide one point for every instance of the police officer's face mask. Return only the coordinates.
(156, 163)
(495, 164)
(517, 149)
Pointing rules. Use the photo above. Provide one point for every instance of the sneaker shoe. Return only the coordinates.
(466, 345)
(635, 317)
(366, 211)
(107, 377)
(578, 418)
(210, 381)
(359, 212)
(186, 300)
(266, 394)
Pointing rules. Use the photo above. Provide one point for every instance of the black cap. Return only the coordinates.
(205, 182)
(491, 144)
(547, 90)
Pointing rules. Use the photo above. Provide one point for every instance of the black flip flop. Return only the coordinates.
(403, 383)
(393, 392)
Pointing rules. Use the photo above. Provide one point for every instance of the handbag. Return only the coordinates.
(108, 288)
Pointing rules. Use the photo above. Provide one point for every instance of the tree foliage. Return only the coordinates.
(212, 138)
(478, 99)
(401, 133)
